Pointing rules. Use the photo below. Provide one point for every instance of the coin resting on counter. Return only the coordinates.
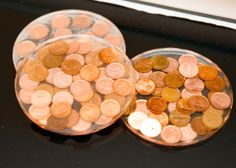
(182, 97)
(61, 91)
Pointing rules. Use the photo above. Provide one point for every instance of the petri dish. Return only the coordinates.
(182, 98)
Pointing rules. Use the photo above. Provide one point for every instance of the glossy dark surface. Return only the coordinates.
(24, 145)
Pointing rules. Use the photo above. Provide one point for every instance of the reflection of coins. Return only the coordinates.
(212, 120)
(217, 84)
(89, 72)
(171, 134)
(198, 126)
(162, 118)
(220, 100)
(170, 94)
(198, 103)
(57, 123)
(60, 109)
(122, 87)
(107, 55)
(38, 73)
(71, 66)
(174, 79)
(207, 72)
(145, 86)
(82, 125)
(184, 107)
(156, 105)
(143, 65)
(89, 112)
(135, 119)
(159, 62)
(179, 119)
(158, 78)
(58, 48)
(110, 108)
(150, 127)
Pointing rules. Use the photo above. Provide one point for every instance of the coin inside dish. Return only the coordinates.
(75, 85)
(182, 97)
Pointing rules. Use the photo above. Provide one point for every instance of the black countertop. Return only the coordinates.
(23, 144)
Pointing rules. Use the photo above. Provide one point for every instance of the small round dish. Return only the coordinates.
(61, 23)
(182, 97)
(75, 91)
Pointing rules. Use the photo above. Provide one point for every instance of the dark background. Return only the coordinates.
(24, 145)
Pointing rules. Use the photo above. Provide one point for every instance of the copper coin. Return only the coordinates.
(57, 123)
(42, 53)
(73, 119)
(122, 87)
(159, 62)
(115, 70)
(217, 84)
(143, 65)
(174, 79)
(214, 110)
(145, 86)
(220, 100)
(207, 72)
(96, 99)
(93, 58)
(171, 134)
(157, 91)
(71, 66)
(104, 85)
(120, 99)
(162, 118)
(89, 72)
(198, 126)
(170, 94)
(186, 94)
(89, 112)
(31, 63)
(156, 105)
(52, 61)
(188, 134)
(188, 69)
(58, 48)
(198, 103)
(46, 87)
(179, 119)
(60, 109)
(184, 107)
(212, 120)
(110, 108)
(158, 78)
(173, 65)
(187, 58)
(194, 84)
(38, 73)
(145, 75)
(107, 55)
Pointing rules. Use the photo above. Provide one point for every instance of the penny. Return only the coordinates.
(51, 73)
(38, 31)
(150, 128)
(100, 29)
(110, 108)
(62, 96)
(93, 58)
(209, 94)
(71, 66)
(107, 55)
(220, 100)
(212, 120)
(217, 84)
(57, 123)
(52, 61)
(84, 97)
(89, 72)
(198, 126)
(135, 119)
(82, 21)
(84, 46)
(39, 113)
(198, 103)
(188, 134)
(121, 99)
(143, 65)
(173, 65)
(73, 119)
(184, 107)
(113, 39)
(76, 77)
(145, 75)
(42, 53)
(26, 83)
(207, 72)
(59, 47)
(80, 87)
(46, 87)
(187, 58)
(159, 62)
(194, 84)
(89, 112)
(145, 86)
(77, 57)
(104, 85)
(62, 80)
(188, 69)
(73, 47)
(115, 70)
(214, 110)
(96, 99)
(31, 63)
(186, 94)
(82, 126)
(156, 105)
(170, 94)
(41, 98)
(174, 79)
(25, 95)
(141, 106)
(60, 109)
(158, 78)
(171, 107)
(179, 119)
(122, 87)
(171, 134)
(162, 118)
(62, 32)
(25, 47)
(157, 91)
(103, 120)
(60, 21)
(38, 73)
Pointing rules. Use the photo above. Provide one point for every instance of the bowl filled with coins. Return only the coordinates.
(182, 97)
(75, 89)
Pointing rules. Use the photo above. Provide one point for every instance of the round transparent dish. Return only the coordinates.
(179, 103)
(61, 23)
(75, 94)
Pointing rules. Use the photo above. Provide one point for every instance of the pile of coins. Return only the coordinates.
(75, 85)
(62, 23)
(182, 98)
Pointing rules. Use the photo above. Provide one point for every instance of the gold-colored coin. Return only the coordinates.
(60, 109)
(57, 123)
(159, 62)
(207, 72)
(170, 94)
(93, 58)
(199, 103)
(58, 48)
(46, 87)
(156, 105)
(158, 78)
(56, 89)
(174, 79)
(29, 64)
(214, 110)
(38, 73)
(162, 118)
(52, 61)
(198, 126)
(157, 91)
(143, 65)
(179, 119)
(217, 84)
(73, 119)
(107, 55)
(184, 107)
(42, 53)
(209, 94)
(71, 66)
(212, 120)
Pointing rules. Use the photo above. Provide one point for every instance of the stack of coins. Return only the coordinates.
(75, 89)
(62, 23)
(183, 97)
